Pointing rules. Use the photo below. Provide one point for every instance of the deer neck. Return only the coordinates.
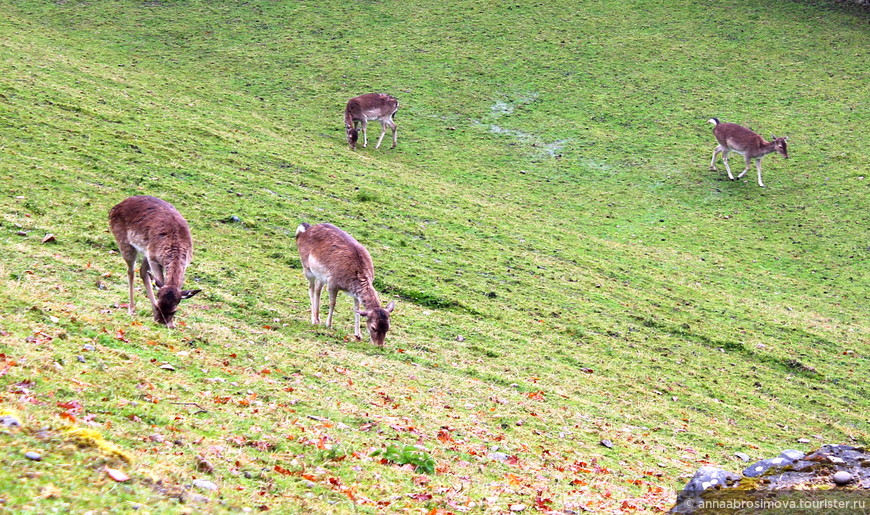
(173, 276)
(767, 147)
(368, 296)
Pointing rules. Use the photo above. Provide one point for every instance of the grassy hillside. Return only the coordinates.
(566, 269)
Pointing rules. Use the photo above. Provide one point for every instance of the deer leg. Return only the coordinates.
(356, 331)
(365, 125)
(725, 160)
(333, 294)
(383, 131)
(314, 288)
(146, 281)
(758, 166)
(318, 290)
(748, 162)
(130, 254)
(131, 275)
(393, 126)
(716, 152)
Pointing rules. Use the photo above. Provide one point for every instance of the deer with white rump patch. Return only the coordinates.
(333, 258)
(153, 228)
(372, 106)
(733, 137)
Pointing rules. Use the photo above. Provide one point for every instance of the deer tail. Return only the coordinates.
(302, 228)
(714, 121)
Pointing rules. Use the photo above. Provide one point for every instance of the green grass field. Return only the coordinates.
(566, 269)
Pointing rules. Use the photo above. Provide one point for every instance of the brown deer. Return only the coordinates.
(333, 258)
(733, 137)
(155, 229)
(372, 106)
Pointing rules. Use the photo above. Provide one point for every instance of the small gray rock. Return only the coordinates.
(88, 347)
(35, 456)
(498, 456)
(742, 456)
(80, 358)
(198, 498)
(204, 484)
(607, 443)
(842, 477)
(9, 421)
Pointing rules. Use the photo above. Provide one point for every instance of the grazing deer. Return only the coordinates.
(153, 228)
(372, 106)
(333, 258)
(733, 137)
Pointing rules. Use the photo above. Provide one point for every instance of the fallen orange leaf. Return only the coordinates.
(50, 491)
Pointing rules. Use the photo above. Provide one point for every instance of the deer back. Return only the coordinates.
(371, 106)
(329, 252)
(738, 138)
(156, 229)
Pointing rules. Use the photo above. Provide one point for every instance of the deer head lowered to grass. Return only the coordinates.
(154, 229)
(333, 258)
(736, 138)
(372, 106)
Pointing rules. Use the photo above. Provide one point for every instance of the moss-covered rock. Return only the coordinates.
(834, 477)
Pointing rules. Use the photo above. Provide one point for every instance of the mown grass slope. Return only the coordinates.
(565, 268)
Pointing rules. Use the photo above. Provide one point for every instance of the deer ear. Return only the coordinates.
(390, 307)
(186, 294)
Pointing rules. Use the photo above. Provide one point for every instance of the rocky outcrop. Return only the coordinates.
(834, 476)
